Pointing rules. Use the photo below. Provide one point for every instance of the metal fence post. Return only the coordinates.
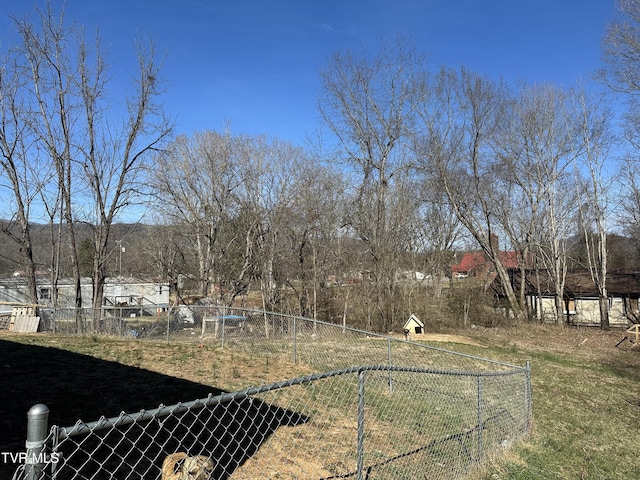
(389, 362)
(168, 322)
(480, 426)
(223, 325)
(37, 425)
(527, 395)
(361, 403)
(295, 339)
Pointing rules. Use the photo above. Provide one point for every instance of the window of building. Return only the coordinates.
(44, 294)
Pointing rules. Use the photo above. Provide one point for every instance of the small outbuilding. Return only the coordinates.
(413, 326)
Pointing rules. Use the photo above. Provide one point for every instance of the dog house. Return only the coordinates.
(413, 326)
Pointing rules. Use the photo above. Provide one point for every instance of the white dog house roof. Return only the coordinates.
(414, 325)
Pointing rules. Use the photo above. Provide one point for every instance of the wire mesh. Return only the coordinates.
(267, 334)
(374, 408)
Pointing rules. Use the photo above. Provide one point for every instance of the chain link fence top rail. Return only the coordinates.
(372, 408)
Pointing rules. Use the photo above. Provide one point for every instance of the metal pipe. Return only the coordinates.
(480, 426)
(361, 404)
(37, 427)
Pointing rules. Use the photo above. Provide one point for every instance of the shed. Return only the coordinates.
(581, 303)
(414, 325)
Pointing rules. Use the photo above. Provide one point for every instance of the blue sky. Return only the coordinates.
(255, 63)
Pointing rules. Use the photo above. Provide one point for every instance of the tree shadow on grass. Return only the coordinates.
(75, 386)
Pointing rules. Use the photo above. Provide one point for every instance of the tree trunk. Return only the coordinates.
(26, 252)
(560, 308)
(603, 301)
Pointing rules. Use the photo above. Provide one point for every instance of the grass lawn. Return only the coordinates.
(586, 403)
(586, 392)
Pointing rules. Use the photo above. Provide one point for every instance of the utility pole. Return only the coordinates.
(121, 249)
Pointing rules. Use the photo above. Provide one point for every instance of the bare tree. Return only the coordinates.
(64, 82)
(621, 45)
(537, 151)
(233, 195)
(460, 118)
(54, 215)
(95, 159)
(595, 193)
(116, 159)
(165, 248)
(368, 104)
(621, 73)
(307, 256)
(20, 167)
(48, 72)
(198, 181)
(434, 229)
(274, 172)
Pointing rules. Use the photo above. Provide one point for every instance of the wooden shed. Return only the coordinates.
(413, 326)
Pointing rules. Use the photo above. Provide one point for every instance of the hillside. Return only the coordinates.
(132, 236)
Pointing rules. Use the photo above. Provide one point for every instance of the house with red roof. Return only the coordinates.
(477, 264)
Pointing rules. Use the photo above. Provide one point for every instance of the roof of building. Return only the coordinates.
(413, 320)
(578, 283)
(45, 281)
(474, 261)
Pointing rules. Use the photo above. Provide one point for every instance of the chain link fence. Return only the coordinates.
(269, 334)
(372, 407)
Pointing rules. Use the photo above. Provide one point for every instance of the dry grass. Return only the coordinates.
(89, 377)
(586, 393)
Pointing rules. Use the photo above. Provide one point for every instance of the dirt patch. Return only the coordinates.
(446, 338)
(440, 338)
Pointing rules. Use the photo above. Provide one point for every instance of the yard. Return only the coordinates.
(586, 392)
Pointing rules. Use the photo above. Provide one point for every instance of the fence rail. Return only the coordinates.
(374, 408)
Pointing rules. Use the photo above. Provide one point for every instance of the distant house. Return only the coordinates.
(118, 292)
(477, 264)
(581, 304)
(128, 291)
